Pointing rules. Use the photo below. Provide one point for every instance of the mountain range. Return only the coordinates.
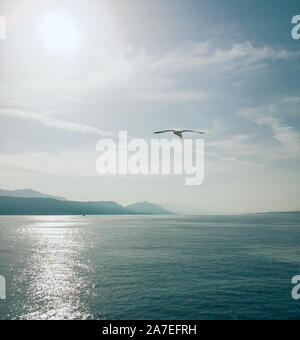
(28, 193)
(148, 208)
(31, 202)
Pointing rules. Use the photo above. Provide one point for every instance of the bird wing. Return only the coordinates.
(201, 133)
(163, 131)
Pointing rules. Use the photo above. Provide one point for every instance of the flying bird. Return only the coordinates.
(179, 133)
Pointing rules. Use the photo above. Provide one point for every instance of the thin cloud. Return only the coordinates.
(199, 55)
(172, 97)
(270, 116)
(134, 73)
(53, 122)
(286, 135)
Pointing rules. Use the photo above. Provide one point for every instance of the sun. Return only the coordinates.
(59, 33)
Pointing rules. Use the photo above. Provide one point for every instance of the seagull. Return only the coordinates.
(179, 133)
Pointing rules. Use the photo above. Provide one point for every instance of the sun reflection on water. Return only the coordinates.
(56, 289)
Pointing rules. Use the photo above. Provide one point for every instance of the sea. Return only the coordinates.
(150, 267)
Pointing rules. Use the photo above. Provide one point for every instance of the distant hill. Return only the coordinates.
(27, 193)
(189, 209)
(279, 213)
(49, 206)
(146, 208)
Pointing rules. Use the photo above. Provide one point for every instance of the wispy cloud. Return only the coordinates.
(55, 123)
(137, 74)
(172, 96)
(203, 54)
(231, 143)
(286, 135)
(271, 117)
(291, 100)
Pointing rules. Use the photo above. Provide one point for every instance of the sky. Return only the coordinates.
(229, 68)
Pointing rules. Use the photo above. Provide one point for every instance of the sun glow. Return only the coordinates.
(59, 33)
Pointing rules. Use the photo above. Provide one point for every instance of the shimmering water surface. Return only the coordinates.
(131, 267)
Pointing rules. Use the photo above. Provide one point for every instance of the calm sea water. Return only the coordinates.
(217, 267)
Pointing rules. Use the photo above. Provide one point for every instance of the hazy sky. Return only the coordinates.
(228, 67)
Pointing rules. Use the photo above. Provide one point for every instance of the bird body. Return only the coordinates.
(179, 133)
